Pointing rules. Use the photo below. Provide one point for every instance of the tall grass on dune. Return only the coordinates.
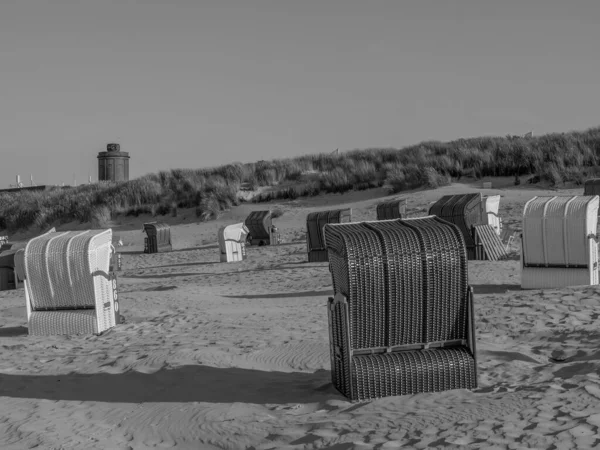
(556, 158)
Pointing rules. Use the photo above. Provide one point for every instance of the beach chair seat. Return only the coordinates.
(315, 221)
(68, 287)
(393, 209)
(232, 242)
(260, 229)
(559, 242)
(401, 319)
(463, 210)
(158, 237)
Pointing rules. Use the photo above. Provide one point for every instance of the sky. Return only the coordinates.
(201, 83)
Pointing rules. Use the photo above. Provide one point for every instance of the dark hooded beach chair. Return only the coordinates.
(394, 209)
(401, 321)
(591, 186)
(463, 210)
(260, 228)
(158, 237)
(315, 222)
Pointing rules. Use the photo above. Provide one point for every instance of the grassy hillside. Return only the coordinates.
(556, 158)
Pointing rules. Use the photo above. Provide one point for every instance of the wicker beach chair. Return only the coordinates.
(232, 242)
(315, 244)
(463, 210)
(559, 242)
(401, 321)
(394, 209)
(591, 186)
(68, 287)
(158, 237)
(11, 264)
(260, 228)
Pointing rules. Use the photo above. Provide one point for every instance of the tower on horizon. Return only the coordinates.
(113, 164)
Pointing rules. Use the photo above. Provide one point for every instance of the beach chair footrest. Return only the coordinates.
(77, 321)
(410, 372)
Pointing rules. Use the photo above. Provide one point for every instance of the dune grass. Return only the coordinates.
(557, 158)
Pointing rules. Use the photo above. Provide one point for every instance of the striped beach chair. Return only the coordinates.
(401, 321)
(68, 287)
(559, 242)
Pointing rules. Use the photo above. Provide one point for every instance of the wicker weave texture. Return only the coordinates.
(315, 222)
(404, 283)
(259, 225)
(591, 186)
(47, 323)
(69, 271)
(394, 209)
(463, 210)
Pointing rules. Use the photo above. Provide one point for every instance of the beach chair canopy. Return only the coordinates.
(236, 232)
(258, 224)
(393, 209)
(67, 284)
(491, 206)
(591, 186)
(556, 230)
(463, 210)
(401, 320)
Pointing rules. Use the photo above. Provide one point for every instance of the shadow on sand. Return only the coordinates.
(184, 384)
(13, 331)
(495, 288)
(324, 294)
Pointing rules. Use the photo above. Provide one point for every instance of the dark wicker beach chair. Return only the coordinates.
(315, 245)
(260, 229)
(158, 237)
(463, 210)
(394, 209)
(401, 321)
(591, 186)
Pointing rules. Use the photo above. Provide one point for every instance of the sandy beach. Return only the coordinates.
(236, 355)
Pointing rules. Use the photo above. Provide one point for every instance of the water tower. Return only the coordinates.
(113, 164)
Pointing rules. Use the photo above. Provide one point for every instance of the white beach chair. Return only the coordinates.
(491, 205)
(232, 242)
(68, 288)
(559, 243)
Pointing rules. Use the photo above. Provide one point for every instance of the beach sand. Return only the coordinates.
(236, 355)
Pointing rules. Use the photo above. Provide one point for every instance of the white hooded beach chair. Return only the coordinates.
(559, 243)
(232, 242)
(491, 205)
(68, 288)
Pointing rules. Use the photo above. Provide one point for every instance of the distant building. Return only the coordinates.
(113, 164)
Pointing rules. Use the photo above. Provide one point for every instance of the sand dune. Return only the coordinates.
(236, 356)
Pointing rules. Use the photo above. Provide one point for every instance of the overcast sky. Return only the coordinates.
(200, 83)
